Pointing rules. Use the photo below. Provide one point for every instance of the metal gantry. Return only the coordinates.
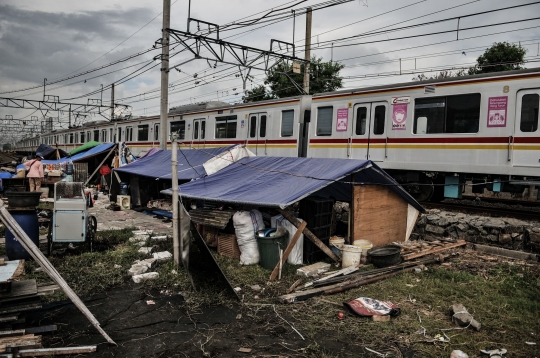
(76, 108)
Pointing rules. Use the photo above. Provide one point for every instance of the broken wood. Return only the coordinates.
(288, 250)
(293, 220)
(346, 271)
(41, 329)
(415, 255)
(18, 332)
(513, 254)
(38, 256)
(56, 351)
(294, 285)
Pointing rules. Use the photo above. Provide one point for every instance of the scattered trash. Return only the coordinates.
(380, 318)
(239, 316)
(159, 238)
(464, 318)
(375, 352)
(256, 297)
(255, 287)
(244, 350)
(145, 250)
(314, 269)
(341, 315)
(237, 289)
(138, 238)
(364, 306)
(142, 232)
(162, 256)
(494, 353)
(174, 272)
(116, 266)
(458, 354)
(150, 302)
(531, 343)
(137, 269)
(39, 269)
(417, 270)
(145, 277)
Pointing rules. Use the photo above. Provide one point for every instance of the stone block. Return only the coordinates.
(422, 220)
(492, 238)
(462, 227)
(516, 222)
(494, 223)
(434, 229)
(432, 219)
(443, 222)
(534, 237)
(505, 239)
(495, 231)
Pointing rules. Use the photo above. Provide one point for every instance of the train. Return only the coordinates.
(431, 135)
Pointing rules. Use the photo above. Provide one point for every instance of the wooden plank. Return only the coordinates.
(18, 332)
(19, 271)
(41, 329)
(379, 215)
(433, 251)
(26, 337)
(288, 249)
(56, 351)
(21, 288)
(47, 290)
(293, 220)
(513, 254)
(20, 308)
(10, 318)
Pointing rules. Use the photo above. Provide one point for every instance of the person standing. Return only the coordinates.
(35, 173)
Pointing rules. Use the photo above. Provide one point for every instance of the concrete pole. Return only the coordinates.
(164, 75)
(112, 102)
(175, 211)
(307, 55)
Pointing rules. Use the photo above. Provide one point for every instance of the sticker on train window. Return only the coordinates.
(399, 116)
(497, 109)
(342, 122)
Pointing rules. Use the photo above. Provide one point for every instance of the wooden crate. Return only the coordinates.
(228, 246)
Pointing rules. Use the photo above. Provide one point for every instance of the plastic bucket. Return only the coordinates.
(44, 192)
(269, 248)
(351, 256)
(336, 244)
(365, 245)
(28, 221)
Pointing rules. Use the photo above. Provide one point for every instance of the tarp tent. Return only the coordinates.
(158, 165)
(282, 181)
(84, 147)
(82, 156)
(49, 152)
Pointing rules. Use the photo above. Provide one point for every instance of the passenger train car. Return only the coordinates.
(446, 131)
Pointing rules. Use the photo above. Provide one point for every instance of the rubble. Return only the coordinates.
(464, 318)
(145, 276)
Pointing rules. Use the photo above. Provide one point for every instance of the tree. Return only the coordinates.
(440, 75)
(323, 77)
(258, 93)
(502, 56)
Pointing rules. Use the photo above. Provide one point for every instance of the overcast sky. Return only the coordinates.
(56, 39)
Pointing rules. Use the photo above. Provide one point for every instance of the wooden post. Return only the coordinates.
(100, 164)
(288, 249)
(293, 220)
(38, 256)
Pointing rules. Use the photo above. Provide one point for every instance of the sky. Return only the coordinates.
(61, 38)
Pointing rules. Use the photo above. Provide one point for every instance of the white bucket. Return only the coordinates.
(351, 256)
(336, 244)
(365, 245)
(44, 192)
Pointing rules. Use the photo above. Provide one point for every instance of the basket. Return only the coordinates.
(228, 246)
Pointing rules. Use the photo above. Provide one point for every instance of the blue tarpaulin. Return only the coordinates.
(79, 157)
(158, 165)
(282, 181)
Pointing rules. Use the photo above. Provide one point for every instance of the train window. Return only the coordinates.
(180, 128)
(65, 138)
(82, 137)
(287, 123)
(103, 135)
(378, 122)
(529, 113)
(129, 134)
(119, 134)
(226, 127)
(88, 137)
(142, 133)
(96, 135)
(156, 131)
(203, 129)
(450, 114)
(252, 126)
(111, 135)
(196, 130)
(76, 137)
(262, 126)
(324, 121)
(71, 138)
(361, 116)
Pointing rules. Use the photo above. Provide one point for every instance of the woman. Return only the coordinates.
(35, 173)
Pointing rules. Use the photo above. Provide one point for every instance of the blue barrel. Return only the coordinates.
(28, 220)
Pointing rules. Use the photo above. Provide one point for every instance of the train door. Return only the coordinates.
(257, 132)
(368, 137)
(526, 141)
(199, 132)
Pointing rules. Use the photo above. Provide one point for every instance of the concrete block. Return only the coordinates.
(145, 276)
(162, 256)
(137, 269)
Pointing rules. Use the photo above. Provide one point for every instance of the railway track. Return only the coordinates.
(471, 208)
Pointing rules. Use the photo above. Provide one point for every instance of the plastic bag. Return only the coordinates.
(296, 256)
(246, 224)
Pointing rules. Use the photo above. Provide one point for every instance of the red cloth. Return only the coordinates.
(104, 170)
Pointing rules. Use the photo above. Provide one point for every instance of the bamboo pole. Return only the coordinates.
(45, 264)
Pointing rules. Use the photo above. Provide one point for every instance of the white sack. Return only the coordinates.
(296, 256)
(246, 225)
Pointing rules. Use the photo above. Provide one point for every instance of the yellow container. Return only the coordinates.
(365, 245)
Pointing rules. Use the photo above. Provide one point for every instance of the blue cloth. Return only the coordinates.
(282, 181)
(5, 175)
(158, 165)
(79, 157)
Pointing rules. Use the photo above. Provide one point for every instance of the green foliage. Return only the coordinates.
(323, 77)
(440, 75)
(502, 56)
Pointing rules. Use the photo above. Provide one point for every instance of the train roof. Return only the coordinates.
(429, 82)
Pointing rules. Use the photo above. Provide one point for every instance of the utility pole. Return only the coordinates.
(307, 55)
(164, 74)
(175, 207)
(112, 102)
(69, 123)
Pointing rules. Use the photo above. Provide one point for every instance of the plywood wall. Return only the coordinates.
(378, 215)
